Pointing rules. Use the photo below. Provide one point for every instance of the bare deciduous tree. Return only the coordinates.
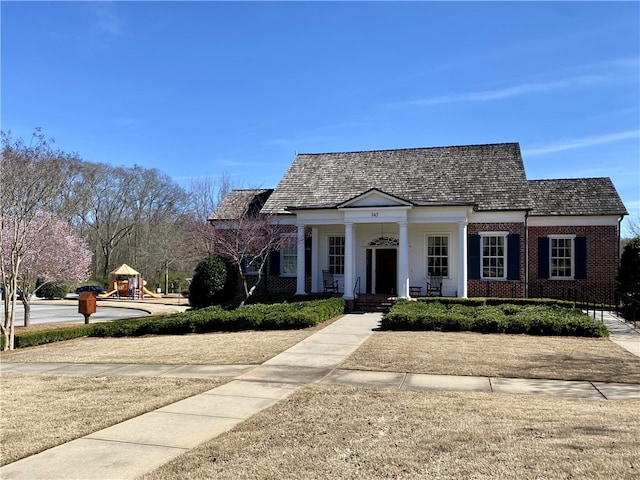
(205, 195)
(105, 213)
(633, 226)
(246, 237)
(126, 214)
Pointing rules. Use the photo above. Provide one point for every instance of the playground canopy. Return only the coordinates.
(125, 270)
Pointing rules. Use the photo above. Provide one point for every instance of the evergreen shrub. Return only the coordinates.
(506, 318)
(208, 283)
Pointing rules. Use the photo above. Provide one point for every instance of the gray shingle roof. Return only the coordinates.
(489, 176)
(241, 202)
(576, 196)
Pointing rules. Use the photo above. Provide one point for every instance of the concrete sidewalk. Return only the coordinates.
(622, 333)
(137, 446)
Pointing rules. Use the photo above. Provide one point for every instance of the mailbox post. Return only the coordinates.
(86, 305)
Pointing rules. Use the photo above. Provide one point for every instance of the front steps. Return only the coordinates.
(374, 303)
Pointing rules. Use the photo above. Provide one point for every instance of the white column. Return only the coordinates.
(300, 287)
(462, 259)
(348, 261)
(315, 284)
(403, 261)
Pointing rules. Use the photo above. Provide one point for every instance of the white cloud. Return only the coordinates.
(586, 75)
(515, 90)
(571, 144)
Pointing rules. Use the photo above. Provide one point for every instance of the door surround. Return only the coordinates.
(375, 260)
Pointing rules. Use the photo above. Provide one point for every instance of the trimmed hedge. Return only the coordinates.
(480, 301)
(42, 337)
(281, 316)
(504, 318)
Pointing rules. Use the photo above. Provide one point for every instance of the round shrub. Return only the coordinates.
(208, 282)
(52, 290)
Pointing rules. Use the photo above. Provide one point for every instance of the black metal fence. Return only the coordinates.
(624, 306)
(628, 307)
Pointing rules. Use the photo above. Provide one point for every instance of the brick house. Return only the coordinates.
(388, 221)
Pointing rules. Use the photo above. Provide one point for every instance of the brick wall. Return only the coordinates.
(495, 288)
(277, 284)
(273, 284)
(602, 266)
(499, 288)
(602, 263)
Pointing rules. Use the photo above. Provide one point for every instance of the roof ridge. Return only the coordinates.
(570, 179)
(250, 189)
(411, 148)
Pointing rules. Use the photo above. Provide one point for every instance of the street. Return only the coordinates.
(69, 314)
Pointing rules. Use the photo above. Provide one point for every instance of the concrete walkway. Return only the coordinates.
(622, 333)
(137, 446)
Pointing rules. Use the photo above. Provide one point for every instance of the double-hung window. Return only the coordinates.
(336, 254)
(494, 255)
(289, 260)
(561, 256)
(438, 255)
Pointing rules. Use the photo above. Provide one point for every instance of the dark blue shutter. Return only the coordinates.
(513, 257)
(274, 262)
(581, 257)
(307, 256)
(473, 257)
(543, 257)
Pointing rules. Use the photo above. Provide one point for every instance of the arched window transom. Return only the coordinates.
(384, 242)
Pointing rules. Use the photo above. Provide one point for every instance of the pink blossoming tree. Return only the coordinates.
(37, 182)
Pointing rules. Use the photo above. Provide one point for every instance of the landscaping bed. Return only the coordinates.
(493, 316)
(280, 316)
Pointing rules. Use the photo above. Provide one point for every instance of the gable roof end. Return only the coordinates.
(240, 203)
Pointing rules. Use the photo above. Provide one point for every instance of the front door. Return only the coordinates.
(386, 270)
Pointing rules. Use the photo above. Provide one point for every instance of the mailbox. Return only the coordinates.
(86, 305)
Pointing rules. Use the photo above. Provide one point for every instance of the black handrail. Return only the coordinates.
(580, 298)
(583, 299)
(356, 287)
(628, 307)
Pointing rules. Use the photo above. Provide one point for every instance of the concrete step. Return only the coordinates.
(374, 303)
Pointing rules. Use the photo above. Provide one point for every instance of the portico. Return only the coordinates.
(384, 245)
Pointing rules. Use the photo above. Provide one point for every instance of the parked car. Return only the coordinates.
(95, 289)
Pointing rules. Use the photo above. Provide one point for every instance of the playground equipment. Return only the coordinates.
(133, 286)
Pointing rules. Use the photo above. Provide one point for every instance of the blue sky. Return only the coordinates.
(205, 88)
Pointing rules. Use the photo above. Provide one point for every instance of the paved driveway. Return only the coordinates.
(69, 314)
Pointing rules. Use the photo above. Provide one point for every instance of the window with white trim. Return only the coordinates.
(438, 255)
(561, 257)
(494, 255)
(336, 255)
(289, 260)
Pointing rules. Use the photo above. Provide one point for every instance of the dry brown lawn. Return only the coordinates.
(342, 432)
(511, 356)
(42, 411)
(238, 348)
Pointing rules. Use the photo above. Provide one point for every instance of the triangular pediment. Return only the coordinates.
(375, 198)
